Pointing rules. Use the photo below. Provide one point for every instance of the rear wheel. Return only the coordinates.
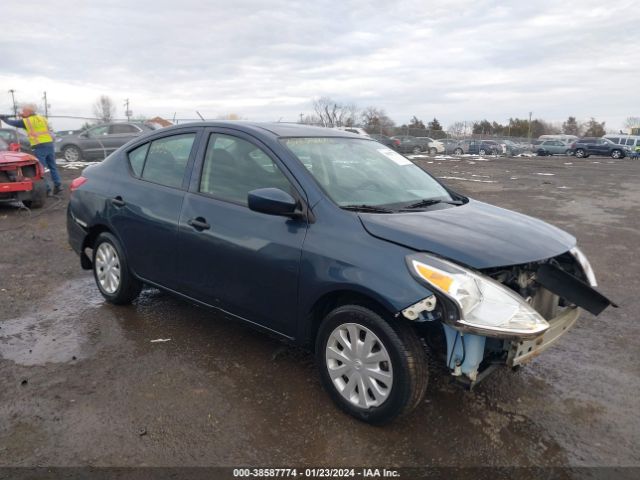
(38, 195)
(71, 153)
(433, 151)
(416, 150)
(373, 369)
(458, 151)
(580, 153)
(111, 271)
(568, 152)
(482, 151)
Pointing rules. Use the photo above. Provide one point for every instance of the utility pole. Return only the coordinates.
(127, 112)
(301, 115)
(13, 98)
(529, 134)
(46, 105)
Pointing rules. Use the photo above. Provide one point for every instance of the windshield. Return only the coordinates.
(364, 172)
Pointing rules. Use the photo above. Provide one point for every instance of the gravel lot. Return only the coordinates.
(82, 384)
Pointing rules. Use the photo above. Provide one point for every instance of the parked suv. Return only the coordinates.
(598, 146)
(98, 142)
(332, 241)
(479, 147)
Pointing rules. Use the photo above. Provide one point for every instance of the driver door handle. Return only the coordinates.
(199, 224)
(118, 201)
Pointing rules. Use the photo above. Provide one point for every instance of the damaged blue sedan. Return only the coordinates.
(335, 242)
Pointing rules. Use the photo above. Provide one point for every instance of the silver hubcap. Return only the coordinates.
(616, 154)
(359, 365)
(579, 154)
(108, 267)
(71, 154)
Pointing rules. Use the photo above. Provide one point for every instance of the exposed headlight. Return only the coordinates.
(586, 266)
(485, 306)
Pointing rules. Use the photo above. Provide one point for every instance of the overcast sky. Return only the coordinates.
(455, 60)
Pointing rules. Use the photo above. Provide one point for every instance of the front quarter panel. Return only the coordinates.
(340, 256)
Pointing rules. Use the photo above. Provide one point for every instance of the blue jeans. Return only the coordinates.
(46, 154)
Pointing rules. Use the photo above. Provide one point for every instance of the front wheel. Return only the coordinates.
(580, 153)
(374, 369)
(416, 150)
(482, 151)
(111, 271)
(458, 151)
(72, 153)
(433, 151)
(617, 154)
(568, 152)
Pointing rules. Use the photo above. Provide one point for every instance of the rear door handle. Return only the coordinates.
(199, 224)
(118, 201)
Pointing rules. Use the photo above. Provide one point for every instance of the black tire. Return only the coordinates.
(541, 153)
(128, 287)
(71, 153)
(407, 358)
(617, 154)
(416, 150)
(580, 153)
(568, 152)
(482, 151)
(433, 151)
(38, 195)
(458, 151)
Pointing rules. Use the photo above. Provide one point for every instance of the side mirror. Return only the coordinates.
(273, 201)
(84, 135)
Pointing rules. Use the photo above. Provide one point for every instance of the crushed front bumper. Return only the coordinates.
(523, 351)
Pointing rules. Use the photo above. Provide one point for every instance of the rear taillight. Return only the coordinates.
(396, 142)
(75, 184)
(14, 147)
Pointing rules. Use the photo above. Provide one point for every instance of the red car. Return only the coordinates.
(21, 177)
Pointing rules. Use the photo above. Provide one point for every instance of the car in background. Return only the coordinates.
(409, 144)
(387, 141)
(17, 140)
(433, 146)
(631, 142)
(512, 148)
(449, 145)
(327, 240)
(553, 147)
(587, 146)
(21, 177)
(358, 130)
(64, 133)
(96, 143)
(563, 137)
(478, 147)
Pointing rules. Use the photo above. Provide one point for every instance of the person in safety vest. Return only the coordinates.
(41, 140)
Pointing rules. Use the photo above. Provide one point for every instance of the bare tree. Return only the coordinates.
(457, 129)
(631, 122)
(334, 114)
(104, 109)
(375, 120)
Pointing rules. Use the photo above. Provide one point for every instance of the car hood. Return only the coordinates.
(476, 234)
(7, 157)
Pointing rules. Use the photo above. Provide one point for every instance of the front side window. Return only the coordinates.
(233, 167)
(167, 159)
(97, 131)
(123, 128)
(359, 172)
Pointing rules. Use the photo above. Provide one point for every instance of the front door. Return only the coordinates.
(231, 257)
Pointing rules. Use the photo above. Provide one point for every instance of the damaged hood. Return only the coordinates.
(476, 234)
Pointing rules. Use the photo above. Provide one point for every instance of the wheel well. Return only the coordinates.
(333, 300)
(88, 242)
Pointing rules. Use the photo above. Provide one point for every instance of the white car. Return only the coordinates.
(434, 145)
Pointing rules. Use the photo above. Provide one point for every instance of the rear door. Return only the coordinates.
(93, 142)
(146, 204)
(231, 257)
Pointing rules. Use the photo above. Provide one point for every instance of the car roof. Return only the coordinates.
(278, 129)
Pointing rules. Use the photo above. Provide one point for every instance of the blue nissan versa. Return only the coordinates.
(333, 241)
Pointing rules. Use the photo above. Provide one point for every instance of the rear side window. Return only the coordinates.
(136, 159)
(615, 139)
(167, 160)
(233, 167)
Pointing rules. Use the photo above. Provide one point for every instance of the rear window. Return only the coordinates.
(167, 160)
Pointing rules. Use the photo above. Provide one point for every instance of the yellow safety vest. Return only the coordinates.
(37, 130)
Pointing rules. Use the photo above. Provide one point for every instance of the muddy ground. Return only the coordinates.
(82, 384)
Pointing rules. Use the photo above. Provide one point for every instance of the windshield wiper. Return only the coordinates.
(366, 208)
(427, 202)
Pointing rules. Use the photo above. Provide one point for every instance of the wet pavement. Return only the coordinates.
(83, 383)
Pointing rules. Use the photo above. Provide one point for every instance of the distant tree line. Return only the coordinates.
(331, 113)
